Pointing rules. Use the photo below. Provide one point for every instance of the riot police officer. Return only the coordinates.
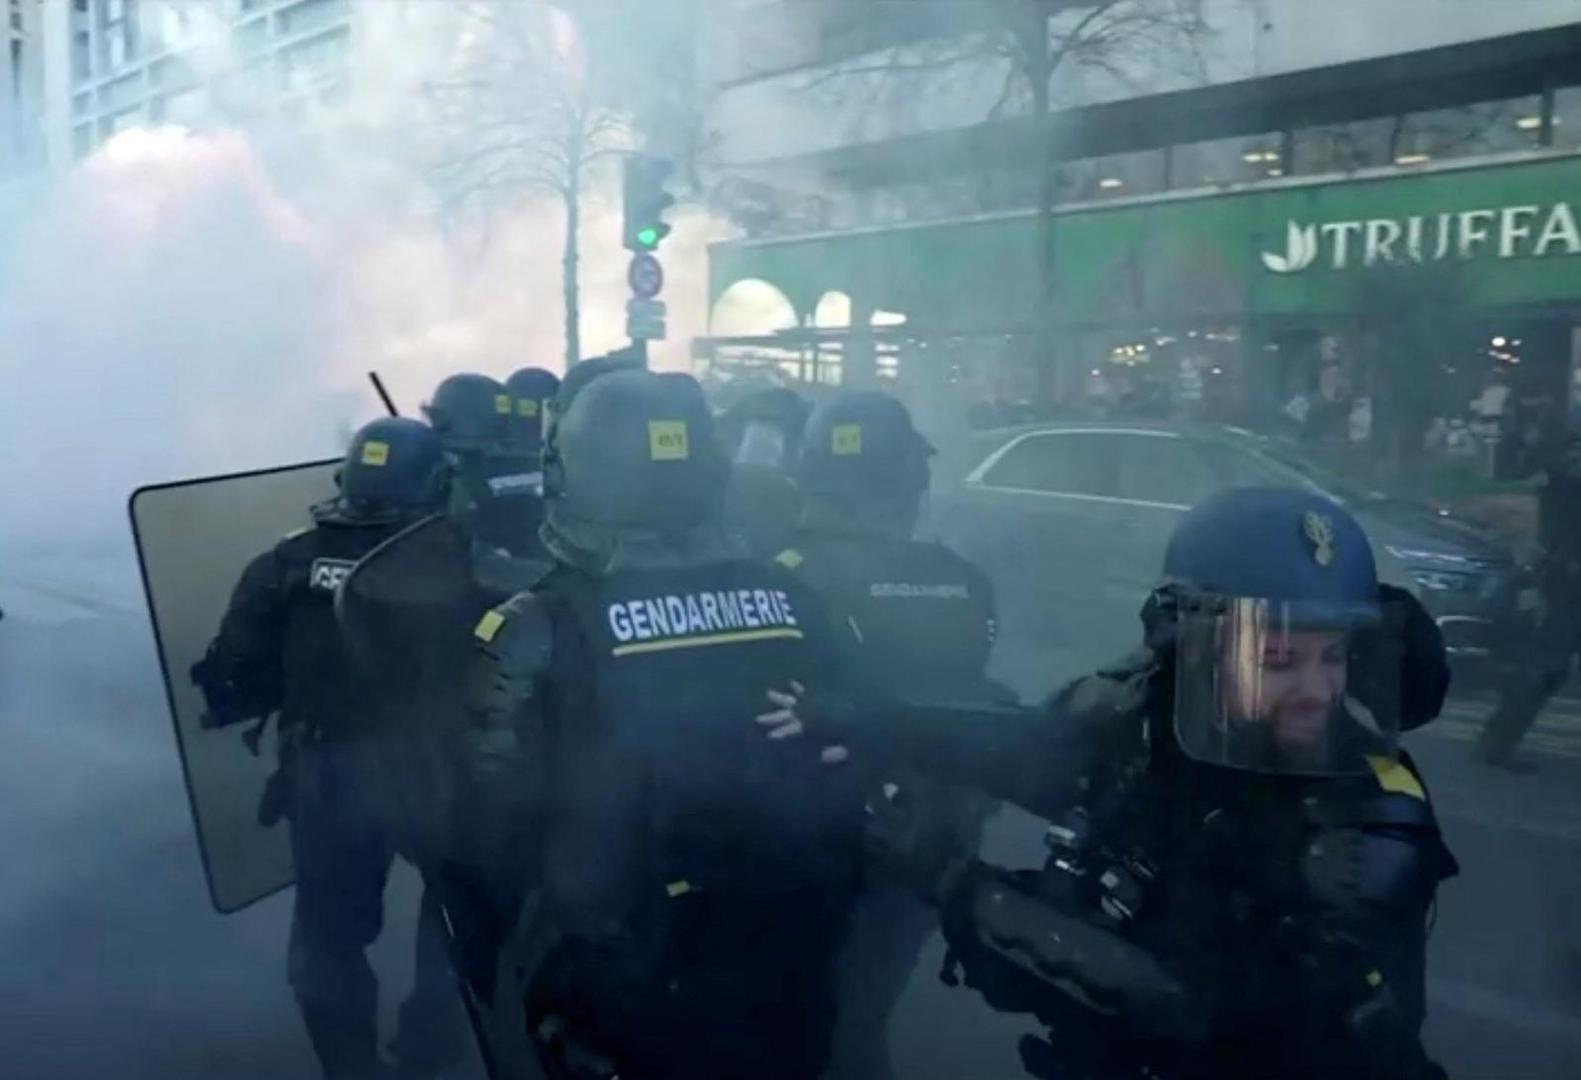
(1545, 662)
(690, 882)
(496, 497)
(762, 431)
(278, 649)
(1243, 862)
(532, 391)
(922, 621)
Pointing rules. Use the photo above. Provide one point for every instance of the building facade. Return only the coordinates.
(126, 63)
(21, 87)
(1303, 200)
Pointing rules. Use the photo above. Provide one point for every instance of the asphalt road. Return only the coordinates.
(114, 964)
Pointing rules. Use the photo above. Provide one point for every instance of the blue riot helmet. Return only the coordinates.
(861, 458)
(471, 413)
(395, 468)
(532, 391)
(631, 458)
(1280, 662)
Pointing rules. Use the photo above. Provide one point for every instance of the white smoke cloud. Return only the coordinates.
(191, 303)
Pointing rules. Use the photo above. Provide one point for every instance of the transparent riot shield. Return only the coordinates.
(194, 538)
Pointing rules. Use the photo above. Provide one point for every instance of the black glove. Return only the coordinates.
(1004, 986)
(225, 701)
(1337, 979)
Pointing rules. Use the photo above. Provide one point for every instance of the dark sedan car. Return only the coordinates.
(1071, 520)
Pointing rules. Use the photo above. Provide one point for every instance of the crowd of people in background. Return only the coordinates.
(1337, 409)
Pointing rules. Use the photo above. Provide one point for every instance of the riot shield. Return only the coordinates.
(194, 538)
(406, 612)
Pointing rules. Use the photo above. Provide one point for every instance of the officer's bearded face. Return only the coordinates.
(1291, 680)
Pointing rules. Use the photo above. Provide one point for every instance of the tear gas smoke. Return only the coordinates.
(188, 304)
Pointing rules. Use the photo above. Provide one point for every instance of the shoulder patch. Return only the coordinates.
(790, 558)
(488, 626)
(1395, 777)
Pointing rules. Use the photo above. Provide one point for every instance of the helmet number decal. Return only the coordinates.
(526, 407)
(667, 440)
(375, 453)
(845, 440)
(502, 404)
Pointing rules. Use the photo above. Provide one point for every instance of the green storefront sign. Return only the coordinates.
(1510, 233)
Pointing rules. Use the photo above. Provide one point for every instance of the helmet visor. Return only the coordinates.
(1279, 687)
(762, 443)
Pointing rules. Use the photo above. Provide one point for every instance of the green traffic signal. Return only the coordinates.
(646, 201)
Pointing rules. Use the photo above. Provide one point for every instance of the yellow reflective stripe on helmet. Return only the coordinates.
(790, 558)
(489, 626)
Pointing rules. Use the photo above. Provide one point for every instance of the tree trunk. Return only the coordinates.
(568, 281)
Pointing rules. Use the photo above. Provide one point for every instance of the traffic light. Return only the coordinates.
(646, 201)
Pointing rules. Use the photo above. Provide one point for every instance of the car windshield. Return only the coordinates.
(1291, 460)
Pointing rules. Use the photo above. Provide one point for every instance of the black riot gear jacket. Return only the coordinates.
(1293, 909)
(697, 875)
(499, 500)
(677, 658)
(278, 648)
(922, 616)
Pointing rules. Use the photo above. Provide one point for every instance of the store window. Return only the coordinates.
(1490, 127)
(313, 15)
(122, 92)
(121, 121)
(1567, 117)
(1363, 144)
(81, 57)
(1113, 176)
(1242, 159)
(1007, 189)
